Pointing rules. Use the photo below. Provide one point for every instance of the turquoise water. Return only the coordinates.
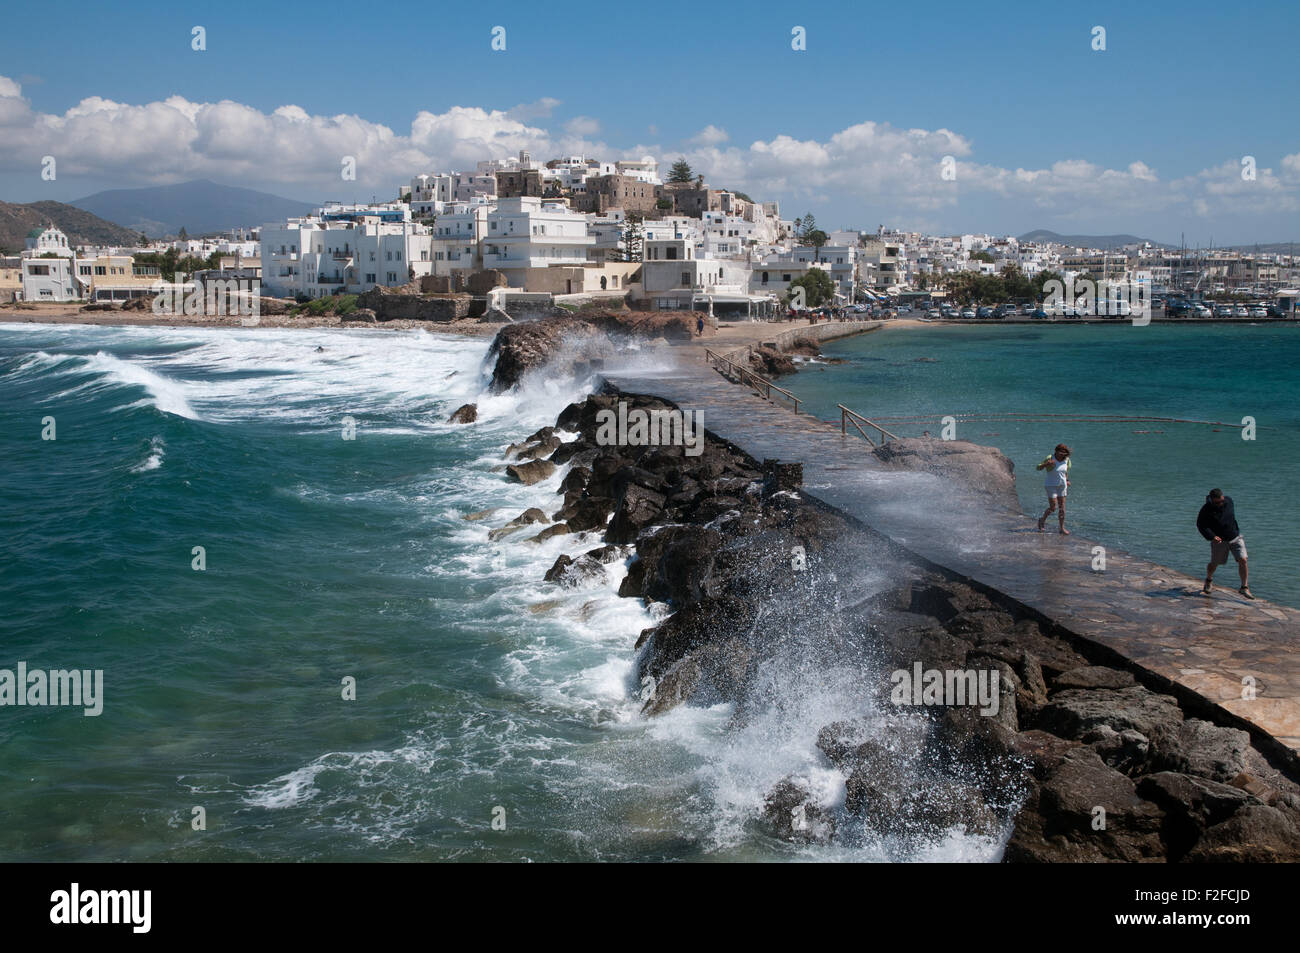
(478, 686)
(1138, 491)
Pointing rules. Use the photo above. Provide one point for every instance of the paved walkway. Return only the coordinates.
(1148, 613)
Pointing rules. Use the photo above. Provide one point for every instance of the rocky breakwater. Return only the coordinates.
(563, 344)
(947, 710)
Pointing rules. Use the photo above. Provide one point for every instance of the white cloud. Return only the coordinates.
(864, 166)
(710, 135)
(582, 126)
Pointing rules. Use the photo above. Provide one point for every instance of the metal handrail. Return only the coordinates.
(852, 416)
(762, 386)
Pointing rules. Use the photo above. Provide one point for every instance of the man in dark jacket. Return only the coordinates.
(1217, 522)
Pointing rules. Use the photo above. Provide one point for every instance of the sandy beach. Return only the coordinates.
(65, 314)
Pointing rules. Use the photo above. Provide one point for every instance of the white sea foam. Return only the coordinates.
(157, 448)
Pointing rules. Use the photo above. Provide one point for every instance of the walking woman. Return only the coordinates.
(1058, 467)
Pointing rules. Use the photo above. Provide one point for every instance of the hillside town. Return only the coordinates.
(578, 228)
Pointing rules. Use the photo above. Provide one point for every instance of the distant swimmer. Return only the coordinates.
(1217, 522)
(1057, 483)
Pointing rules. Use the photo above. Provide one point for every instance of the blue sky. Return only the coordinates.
(1045, 131)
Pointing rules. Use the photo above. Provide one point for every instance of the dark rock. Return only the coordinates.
(983, 470)
(1254, 834)
(1085, 810)
(791, 814)
(574, 573)
(1072, 713)
(575, 479)
(527, 517)
(587, 513)
(464, 414)
(559, 529)
(1191, 805)
(1125, 751)
(531, 472)
(635, 509)
(1201, 748)
(1094, 676)
(781, 477)
(692, 627)
(608, 554)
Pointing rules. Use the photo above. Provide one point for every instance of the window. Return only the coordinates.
(370, 278)
(392, 277)
(765, 277)
(686, 279)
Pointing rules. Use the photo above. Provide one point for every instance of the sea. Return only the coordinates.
(1134, 484)
(259, 537)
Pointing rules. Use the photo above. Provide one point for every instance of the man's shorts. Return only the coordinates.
(1219, 551)
(1054, 491)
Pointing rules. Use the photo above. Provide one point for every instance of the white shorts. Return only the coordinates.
(1054, 491)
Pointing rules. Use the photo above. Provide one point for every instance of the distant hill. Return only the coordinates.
(1104, 242)
(200, 207)
(81, 227)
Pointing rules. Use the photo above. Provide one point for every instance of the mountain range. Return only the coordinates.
(1104, 242)
(200, 207)
(81, 227)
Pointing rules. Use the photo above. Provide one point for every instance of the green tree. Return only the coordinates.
(981, 255)
(664, 204)
(681, 171)
(184, 235)
(809, 224)
(814, 237)
(633, 235)
(817, 285)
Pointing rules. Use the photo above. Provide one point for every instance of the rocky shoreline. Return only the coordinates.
(1082, 757)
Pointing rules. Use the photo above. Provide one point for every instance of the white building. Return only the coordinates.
(673, 277)
(529, 232)
(457, 236)
(48, 270)
(645, 169)
(344, 248)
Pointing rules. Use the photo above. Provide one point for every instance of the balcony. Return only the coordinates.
(329, 280)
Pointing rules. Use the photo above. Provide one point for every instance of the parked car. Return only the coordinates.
(985, 312)
(1223, 310)
(1038, 313)
(1276, 311)
(1259, 312)
(1201, 311)
(968, 313)
(933, 313)
(1241, 311)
